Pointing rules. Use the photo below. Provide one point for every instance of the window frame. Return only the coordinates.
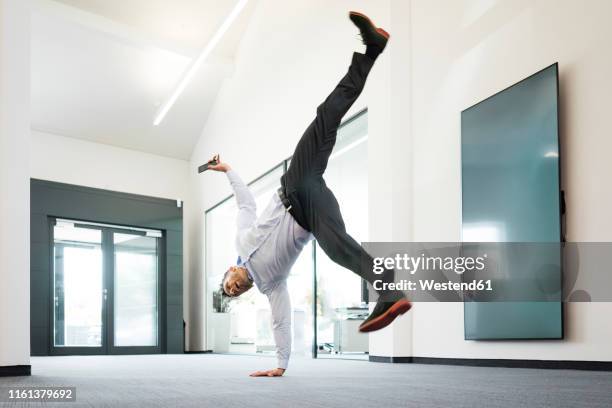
(285, 165)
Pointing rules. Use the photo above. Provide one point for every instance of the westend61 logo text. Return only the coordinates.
(412, 264)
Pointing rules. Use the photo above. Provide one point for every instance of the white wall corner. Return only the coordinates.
(389, 121)
(14, 183)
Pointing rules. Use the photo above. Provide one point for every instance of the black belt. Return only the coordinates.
(284, 199)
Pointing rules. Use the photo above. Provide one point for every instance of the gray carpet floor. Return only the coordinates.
(222, 381)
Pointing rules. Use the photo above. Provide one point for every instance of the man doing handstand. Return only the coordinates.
(304, 207)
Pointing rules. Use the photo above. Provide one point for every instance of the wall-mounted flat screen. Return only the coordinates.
(511, 193)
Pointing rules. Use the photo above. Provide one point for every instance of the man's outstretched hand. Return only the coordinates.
(277, 372)
(220, 166)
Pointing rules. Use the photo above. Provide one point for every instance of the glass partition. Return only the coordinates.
(340, 307)
(220, 254)
(243, 325)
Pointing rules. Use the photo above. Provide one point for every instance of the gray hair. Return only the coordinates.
(221, 288)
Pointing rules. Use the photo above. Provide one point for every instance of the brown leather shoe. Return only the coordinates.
(370, 34)
(384, 314)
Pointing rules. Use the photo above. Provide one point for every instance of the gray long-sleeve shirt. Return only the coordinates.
(268, 246)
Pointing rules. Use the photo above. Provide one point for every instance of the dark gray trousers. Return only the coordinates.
(313, 204)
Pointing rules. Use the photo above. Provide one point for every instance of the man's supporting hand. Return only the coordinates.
(277, 372)
(219, 166)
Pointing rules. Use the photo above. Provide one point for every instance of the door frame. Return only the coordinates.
(108, 275)
(109, 255)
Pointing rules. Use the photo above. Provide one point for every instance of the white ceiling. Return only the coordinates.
(101, 68)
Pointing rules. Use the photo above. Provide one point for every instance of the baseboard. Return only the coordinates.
(14, 371)
(381, 359)
(485, 362)
(199, 352)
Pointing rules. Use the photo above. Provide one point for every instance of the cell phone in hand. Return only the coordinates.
(206, 166)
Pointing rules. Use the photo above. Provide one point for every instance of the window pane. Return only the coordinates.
(78, 283)
(340, 309)
(135, 306)
(246, 326)
(300, 284)
(220, 254)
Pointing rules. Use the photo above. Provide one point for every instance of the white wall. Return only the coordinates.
(291, 56)
(390, 159)
(464, 51)
(76, 161)
(444, 56)
(14, 183)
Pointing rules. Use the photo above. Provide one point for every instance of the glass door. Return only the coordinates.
(106, 289)
(79, 294)
(135, 283)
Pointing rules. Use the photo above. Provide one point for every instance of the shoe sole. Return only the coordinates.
(399, 308)
(378, 29)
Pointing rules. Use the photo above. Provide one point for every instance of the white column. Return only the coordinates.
(14, 183)
(390, 144)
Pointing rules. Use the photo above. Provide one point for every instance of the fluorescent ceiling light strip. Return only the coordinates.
(188, 76)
